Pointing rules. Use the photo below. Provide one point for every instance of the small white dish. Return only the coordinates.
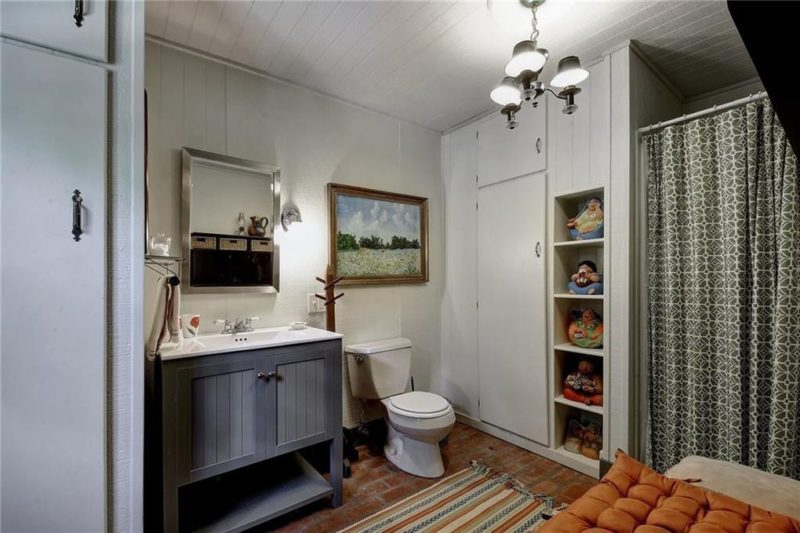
(298, 325)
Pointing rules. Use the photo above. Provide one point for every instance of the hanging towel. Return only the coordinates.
(166, 320)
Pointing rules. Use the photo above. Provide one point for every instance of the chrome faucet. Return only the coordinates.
(238, 325)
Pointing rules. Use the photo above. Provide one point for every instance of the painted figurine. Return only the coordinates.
(586, 280)
(584, 385)
(588, 224)
(586, 329)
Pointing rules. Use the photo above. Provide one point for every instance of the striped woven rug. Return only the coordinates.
(474, 499)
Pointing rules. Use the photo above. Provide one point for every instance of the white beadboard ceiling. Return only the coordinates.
(434, 62)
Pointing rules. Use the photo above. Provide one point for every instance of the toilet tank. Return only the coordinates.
(379, 369)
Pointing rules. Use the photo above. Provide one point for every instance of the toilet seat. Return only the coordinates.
(418, 404)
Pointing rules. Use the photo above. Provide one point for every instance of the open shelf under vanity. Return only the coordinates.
(244, 499)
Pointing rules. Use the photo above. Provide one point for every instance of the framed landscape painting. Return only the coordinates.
(376, 236)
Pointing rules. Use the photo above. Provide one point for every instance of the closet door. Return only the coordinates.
(512, 306)
(51, 23)
(504, 154)
(52, 315)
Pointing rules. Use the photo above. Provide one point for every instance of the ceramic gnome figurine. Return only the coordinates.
(586, 280)
(584, 385)
(588, 224)
(586, 329)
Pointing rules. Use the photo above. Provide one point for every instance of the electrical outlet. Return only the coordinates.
(315, 305)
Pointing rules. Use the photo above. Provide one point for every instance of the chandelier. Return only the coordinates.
(522, 75)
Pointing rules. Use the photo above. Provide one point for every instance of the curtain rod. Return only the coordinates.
(704, 112)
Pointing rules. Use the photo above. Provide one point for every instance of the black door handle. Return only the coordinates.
(78, 16)
(77, 203)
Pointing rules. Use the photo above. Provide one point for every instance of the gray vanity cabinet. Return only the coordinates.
(220, 413)
(297, 407)
(218, 422)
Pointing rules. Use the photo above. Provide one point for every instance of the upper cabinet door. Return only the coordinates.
(504, 154)
(51, 23)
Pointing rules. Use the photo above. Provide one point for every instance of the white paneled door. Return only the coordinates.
(52, 23)
(52, 318)
(512, 345)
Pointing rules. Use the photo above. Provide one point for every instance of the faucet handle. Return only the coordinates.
(227, 327)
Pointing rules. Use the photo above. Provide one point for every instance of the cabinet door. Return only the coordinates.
(300, 398)
(220, 422)
(512, 349)
(52, 319)
(504, 154)
(50, 23)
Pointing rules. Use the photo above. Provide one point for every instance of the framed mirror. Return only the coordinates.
(229, 207)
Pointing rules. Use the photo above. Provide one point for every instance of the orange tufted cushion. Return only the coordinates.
(632, 497)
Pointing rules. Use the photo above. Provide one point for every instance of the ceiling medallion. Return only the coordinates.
(523, 70)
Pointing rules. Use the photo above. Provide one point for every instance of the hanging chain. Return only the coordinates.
(534, 24)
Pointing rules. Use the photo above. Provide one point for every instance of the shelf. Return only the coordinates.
(569, 347)
(162, 258)
(282, 485)
(568, 296)
(587, 243)
(579, 194)
(590, 467)
(598, 410)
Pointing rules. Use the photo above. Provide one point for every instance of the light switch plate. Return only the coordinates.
(315, 305)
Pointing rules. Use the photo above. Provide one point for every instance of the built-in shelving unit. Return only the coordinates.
(565, 254)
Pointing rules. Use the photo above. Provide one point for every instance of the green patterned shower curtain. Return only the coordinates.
(724, 291)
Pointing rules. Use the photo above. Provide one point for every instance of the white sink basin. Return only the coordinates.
(259, 338)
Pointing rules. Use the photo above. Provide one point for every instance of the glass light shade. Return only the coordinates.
(507, 92)
(526, 57)
(569, 72)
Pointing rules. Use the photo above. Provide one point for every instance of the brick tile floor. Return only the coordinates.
(376, 483)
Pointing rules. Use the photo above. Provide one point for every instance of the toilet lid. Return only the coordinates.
(419, 402)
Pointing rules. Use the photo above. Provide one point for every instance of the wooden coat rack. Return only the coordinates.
(330, 300)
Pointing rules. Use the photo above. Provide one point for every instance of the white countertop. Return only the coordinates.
(251, 340)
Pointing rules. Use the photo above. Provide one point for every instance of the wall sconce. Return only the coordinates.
(289, 215)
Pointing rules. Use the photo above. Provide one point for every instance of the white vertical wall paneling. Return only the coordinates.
(560, 129)
(582, 137)
(618, 213)
(244, 115)
(459, 314)
(599, 100)
(651, 101)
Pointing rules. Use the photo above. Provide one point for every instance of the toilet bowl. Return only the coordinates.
(417, 421)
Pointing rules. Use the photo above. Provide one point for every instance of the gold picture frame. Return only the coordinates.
(377, 237)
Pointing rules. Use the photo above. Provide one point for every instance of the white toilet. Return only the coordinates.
(417, 421)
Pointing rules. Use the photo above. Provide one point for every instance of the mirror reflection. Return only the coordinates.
(230, 206)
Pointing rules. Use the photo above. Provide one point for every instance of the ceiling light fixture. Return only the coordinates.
(523, 70)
